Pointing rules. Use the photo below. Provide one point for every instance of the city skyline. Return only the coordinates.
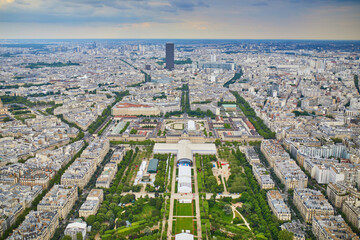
(280, 19)
(176, 139)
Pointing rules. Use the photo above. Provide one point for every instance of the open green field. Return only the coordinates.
(236, 182)
(184, 224)
(178, 126)
(184, 209)
(132, 170)
(148, 211)
(25, 116)
(217, 212)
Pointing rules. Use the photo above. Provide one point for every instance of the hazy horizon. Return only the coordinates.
(239, 39)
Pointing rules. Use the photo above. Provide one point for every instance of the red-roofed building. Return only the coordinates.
(134, 109)
(249, 124)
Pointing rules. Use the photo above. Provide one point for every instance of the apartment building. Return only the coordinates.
(278, 206)
(290, 174)
(39, 225)
(332, 227)
(351, 209)
(262, 176)
(311, 203)
(273, 151)
(60, 198)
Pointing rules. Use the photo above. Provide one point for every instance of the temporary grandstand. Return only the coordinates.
(153, 165)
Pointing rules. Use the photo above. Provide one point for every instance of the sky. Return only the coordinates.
(203, 19)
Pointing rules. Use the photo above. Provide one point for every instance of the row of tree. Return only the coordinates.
(107, 112)
(209, 182)
(255, 207)
(160, 178)
(54, 64)
(23, 100)
(236, 76)
(249, 112)
(26, 85)
(356, 82)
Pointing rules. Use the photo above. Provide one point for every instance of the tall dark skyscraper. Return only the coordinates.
(169, 56)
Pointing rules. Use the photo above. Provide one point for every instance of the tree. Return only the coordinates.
(227, 209)
(90, 220)
(6, 119)
(100, 217)
(285, 235)
(109, 214)
(102, 210)
(79, 236)
(159, 203)
(147, 231)
(112, 206)
(127, 198)
(96, 226)
(67, 237)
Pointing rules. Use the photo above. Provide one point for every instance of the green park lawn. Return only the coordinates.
(184, 224)
(218, 213)
(25, 116)
(183, 209)
(147, 211)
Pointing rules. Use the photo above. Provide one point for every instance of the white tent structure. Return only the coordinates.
(184, 179)
(184, 236)
(184, 150)
(191, 125)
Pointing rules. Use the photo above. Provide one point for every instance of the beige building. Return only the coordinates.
(60, 198)
(193, 137)
(278, 206)
(89, 207)
(332, 227)
(311, 203)
(273, 151)
(96, 194)
(97, 150)
(290, 174)
(92, 203)
(232, 137)
(79, 173)
(129, 109)
(337, 193)
(3, 110)
(104, 180)
(262, 176)
(296, 227)
(41, 179)
(351, 209)
(38, 225)
(251, 156)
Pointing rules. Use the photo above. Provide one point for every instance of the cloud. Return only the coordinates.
(176, 18)
(101, 11)
(259, 4)
(41, 17)
(81, 11)
(117, 4)
(5, 2)
(187, 5)
(144, 25)
(159, 4)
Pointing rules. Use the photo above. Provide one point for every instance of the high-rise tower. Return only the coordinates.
(169, 56)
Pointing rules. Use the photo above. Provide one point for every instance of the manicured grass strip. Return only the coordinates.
(184, 209)
(184, 224)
